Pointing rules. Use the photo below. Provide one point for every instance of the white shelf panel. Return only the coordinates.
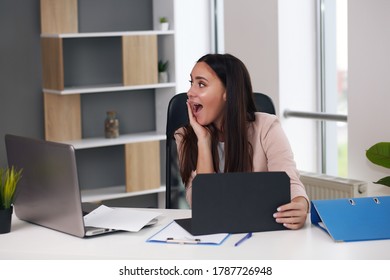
(99, 194)
(107, 34)
(106, 88)
(121, 140)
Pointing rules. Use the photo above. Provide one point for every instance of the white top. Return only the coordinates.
(221, 154)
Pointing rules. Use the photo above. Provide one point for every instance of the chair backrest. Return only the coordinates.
(177, 117)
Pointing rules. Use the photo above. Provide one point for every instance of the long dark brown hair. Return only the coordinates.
(238, 113)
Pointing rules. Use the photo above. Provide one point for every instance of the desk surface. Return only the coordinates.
(28, 241)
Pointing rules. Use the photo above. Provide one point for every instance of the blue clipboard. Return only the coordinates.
(174, 233)
(353, 219)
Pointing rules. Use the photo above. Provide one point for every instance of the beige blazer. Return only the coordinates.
(271, 152)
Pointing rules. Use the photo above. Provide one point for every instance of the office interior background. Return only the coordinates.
(280, 43)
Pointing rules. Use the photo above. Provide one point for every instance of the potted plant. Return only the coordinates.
(164, 24)
(379, 154)
(162, 71)
(9, 179)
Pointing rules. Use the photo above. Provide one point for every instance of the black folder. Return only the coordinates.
(236, 202)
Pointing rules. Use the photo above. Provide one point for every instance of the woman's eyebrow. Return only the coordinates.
(200, 78)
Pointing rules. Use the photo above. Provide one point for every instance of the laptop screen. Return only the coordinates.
(48, 193)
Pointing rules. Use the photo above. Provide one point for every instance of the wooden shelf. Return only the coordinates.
(106, 88)
(107, 34)
(121, 140)
(99, 194)
(140, 60)
(134, 56)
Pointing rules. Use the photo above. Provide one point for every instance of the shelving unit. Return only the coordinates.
(107, 34)
(121, 140)
(106, 88)
(139, 54)
(115, 193)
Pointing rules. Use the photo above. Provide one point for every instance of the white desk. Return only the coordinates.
(28, 241)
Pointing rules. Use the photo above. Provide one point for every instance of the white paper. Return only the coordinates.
(176, 232)
(119, 218)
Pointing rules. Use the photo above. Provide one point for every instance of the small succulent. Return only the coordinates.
(162, 66)
(9, 178)
(163, 19)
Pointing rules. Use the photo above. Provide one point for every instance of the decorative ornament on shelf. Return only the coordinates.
(111, 125)
(163, 71)
(164, 24)
(379, 154)
(9, 179)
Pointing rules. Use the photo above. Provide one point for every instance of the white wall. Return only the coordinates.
(276, 41)
(369, 87)
(251, 34)
(298, 77)
(192, 29)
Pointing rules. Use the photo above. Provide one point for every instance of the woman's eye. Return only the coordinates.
(199, 84)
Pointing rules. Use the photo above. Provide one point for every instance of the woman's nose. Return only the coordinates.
(190, 93)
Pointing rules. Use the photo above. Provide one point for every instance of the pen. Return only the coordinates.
(247, 236)
(183, 241)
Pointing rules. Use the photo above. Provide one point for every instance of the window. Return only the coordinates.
(330, 94)
(310, 83)
(333, 17)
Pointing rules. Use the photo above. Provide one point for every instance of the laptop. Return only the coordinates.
(48, 192)
(236, 202)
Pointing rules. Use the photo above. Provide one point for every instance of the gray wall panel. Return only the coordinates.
(21, 103)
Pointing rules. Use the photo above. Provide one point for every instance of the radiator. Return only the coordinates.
(321, 186)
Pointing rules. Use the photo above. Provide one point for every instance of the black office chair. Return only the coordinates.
(178, 117)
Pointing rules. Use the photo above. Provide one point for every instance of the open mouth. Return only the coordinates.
(196, 107)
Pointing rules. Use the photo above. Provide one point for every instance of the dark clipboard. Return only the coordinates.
(353, 219)
(237, 202)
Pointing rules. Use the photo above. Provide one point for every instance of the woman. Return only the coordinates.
(226, 134)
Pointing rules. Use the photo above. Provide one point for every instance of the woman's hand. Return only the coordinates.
(200, 131)
(205, 161)
(293, 215)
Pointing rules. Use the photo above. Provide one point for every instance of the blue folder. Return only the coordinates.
(353, 219)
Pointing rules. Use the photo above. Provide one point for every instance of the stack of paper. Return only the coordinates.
(119, 218)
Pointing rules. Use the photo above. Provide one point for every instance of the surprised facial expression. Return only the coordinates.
(207, 95)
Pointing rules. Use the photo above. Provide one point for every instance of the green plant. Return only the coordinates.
(9, 178)
(162, 66)
(163, 19)
(379, 154)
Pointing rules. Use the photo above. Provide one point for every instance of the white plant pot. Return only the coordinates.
(164, 26)
(163, 77)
